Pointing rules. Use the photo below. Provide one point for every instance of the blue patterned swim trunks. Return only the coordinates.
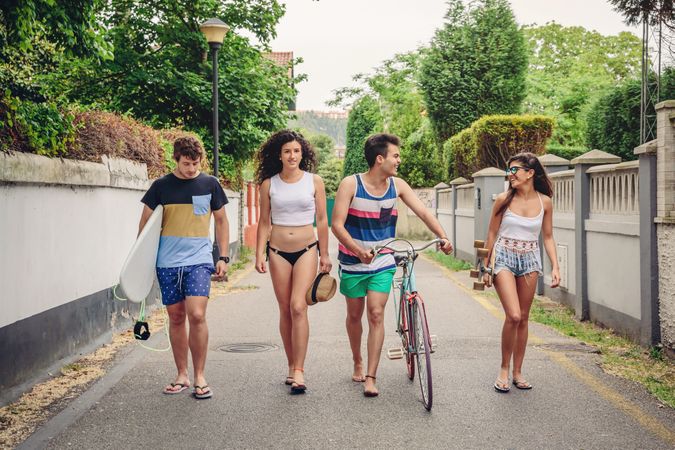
(176, 283)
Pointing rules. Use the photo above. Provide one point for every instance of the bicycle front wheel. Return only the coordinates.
(423, 350)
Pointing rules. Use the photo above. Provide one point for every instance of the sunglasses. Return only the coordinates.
(514, 169)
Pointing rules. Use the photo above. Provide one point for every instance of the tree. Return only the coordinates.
(421, 163)
(323, 145)
(72, 25)
(569, 69)
(614, 120)
(634, 10)
(476, 66)
(364, 119)
(331, 173)
(160, 71)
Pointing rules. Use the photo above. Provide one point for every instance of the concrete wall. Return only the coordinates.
(66, 227)
(666, 288)
(665, 220)
(408, 225)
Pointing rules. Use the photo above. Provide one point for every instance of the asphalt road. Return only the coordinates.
(573, 404)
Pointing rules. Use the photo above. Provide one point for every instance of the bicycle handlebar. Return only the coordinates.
(378, 248)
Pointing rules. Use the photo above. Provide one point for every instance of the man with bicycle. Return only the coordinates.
(364, 216)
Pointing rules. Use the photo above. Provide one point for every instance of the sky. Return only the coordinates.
(340, 38)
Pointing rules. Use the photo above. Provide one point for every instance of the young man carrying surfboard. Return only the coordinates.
(184, 259)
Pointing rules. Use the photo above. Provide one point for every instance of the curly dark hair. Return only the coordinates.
(189, 147)
(268, 162)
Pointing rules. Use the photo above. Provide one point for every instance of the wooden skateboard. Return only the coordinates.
(481, 269)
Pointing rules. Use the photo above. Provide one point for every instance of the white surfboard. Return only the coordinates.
(138, 272)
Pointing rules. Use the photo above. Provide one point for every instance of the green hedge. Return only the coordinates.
(568, 153)
(364, 119)
(492, 140)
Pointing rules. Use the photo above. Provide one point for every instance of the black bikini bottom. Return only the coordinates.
(291, 257)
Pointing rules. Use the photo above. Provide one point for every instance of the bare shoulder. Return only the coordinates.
(266, 183)
(501, 198)
(401, 184)
(348, 182)
(547, 201)
(317, 179)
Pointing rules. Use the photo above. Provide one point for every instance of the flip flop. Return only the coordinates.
(203, 395)
(289, 381)
(358, 379)
(183, 386)
(522, 385)
(298, 388)
(502, 386)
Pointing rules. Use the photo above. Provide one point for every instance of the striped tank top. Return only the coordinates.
(370, 221)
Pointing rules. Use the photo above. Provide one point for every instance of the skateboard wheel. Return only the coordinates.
(474, 273)
(479, 286)
(482, 252)
(478, 244)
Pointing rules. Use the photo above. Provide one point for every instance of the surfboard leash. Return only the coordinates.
(141, 327)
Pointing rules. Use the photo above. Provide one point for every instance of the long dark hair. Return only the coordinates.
(268, 162)
(542, 183)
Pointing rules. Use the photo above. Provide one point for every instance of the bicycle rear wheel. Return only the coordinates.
(423, 349)
(404, 331)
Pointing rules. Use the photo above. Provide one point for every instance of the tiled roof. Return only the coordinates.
(280, 58)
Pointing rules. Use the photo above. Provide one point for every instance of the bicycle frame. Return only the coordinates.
(411, 320)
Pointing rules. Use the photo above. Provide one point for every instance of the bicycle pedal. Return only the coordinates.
(395, 353)
(432, 341)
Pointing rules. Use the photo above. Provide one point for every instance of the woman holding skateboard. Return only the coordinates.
(291, 197)
(518, 216)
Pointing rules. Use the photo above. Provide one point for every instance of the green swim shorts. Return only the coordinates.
(357, 285)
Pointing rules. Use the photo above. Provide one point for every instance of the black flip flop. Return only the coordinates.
(522, 385)
(298, 388)
(203, 395)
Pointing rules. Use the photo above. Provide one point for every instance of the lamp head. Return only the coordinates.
(214, 31)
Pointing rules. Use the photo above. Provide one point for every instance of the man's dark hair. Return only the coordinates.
(378, 144)
(189, 147)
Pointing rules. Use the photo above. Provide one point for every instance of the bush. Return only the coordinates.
(568, 153)
(42, 128)
(492, 140)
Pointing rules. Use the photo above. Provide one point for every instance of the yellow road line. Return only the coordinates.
(631, 409)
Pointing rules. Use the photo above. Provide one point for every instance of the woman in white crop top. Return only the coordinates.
(518, 216)
(291, 197)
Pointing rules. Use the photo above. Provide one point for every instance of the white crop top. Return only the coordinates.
(292, 204)
(521, 228)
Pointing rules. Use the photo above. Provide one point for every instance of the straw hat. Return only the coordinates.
(323, 289)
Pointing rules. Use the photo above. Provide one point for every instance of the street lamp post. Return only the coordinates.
(214, 31)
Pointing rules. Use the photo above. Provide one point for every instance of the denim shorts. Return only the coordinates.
(176, 283)
(518, 257)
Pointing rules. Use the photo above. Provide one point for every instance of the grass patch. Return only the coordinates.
(620, 356)
(245, 254)
(448, 261)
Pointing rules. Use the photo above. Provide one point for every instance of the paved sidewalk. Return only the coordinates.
(573, 405)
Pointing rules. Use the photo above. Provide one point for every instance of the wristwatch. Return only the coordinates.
(224, 258)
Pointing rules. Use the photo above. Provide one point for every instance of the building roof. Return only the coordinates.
(281, 59)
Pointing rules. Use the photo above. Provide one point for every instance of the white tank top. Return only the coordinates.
(292, 204)
(521, 228)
